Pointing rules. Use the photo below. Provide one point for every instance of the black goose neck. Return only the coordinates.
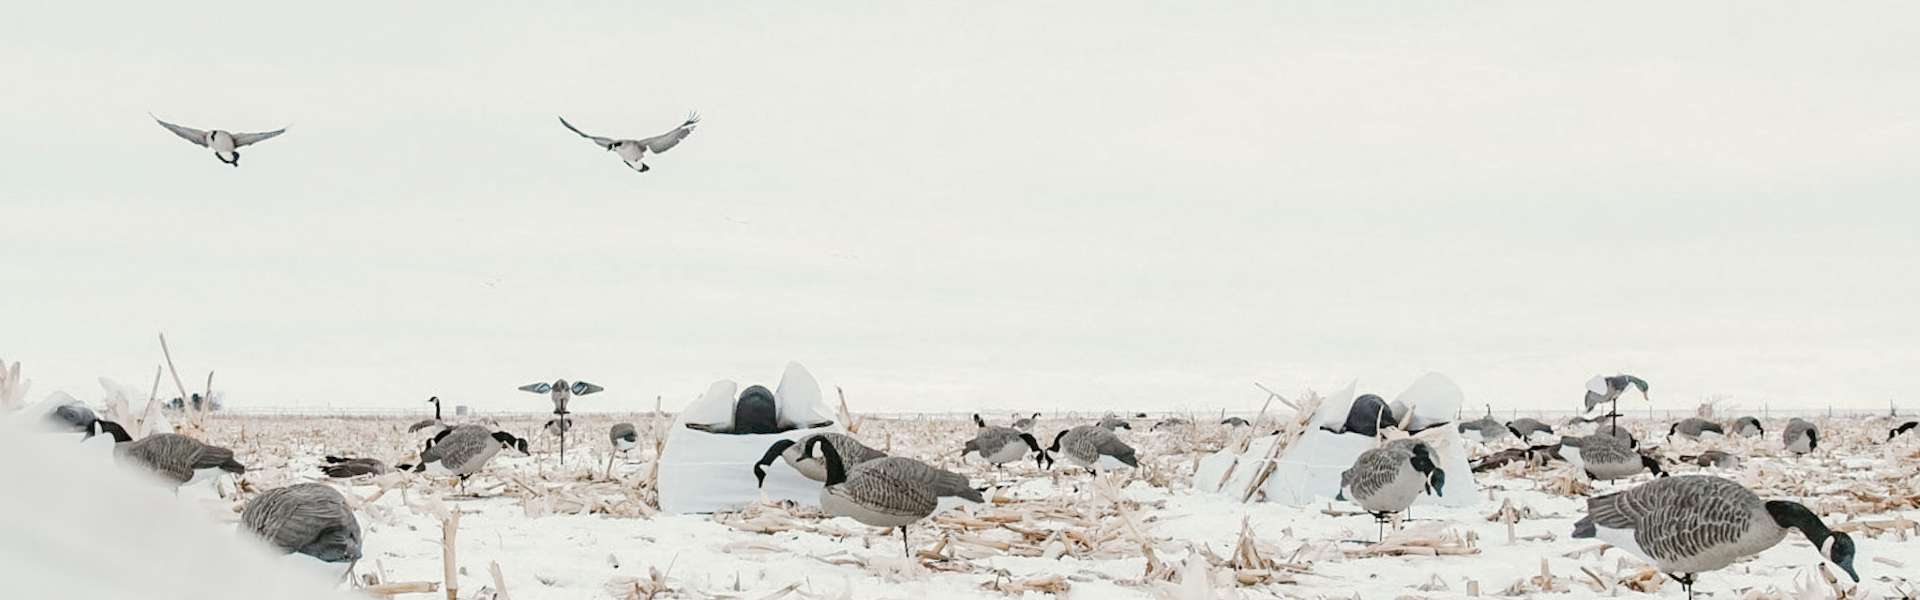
(836, 471)
(1793, 515)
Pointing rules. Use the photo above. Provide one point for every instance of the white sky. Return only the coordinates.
(981, 204)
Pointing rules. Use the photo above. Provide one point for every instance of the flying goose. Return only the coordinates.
(623, 436)
(852, 453)
(225, 145)
(1093, 448)
(1001, 445)
(177, 458)
(1606, 458)
(1748, 427)
(634, 152)
(1525, 427)
(1895, 432)
(1692, 524)
(463, 450)
(1801, 436)
(1111, 422)
(344, 467)
(1026, 423)
(887, 492)
(308, 518)
(1387, 479)
(561, 392)
(1692, 427)
(1601, 390)
(434, 422)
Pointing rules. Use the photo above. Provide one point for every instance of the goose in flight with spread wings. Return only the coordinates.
(633, 152)
(225, 145)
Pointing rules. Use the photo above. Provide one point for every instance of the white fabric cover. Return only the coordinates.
(703, 472)
(798, 399)
(1435, 399)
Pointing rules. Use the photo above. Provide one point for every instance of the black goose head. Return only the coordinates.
(1652, 465)
(1423, 463)
(1839, 549)
(508, 441)
(836, 470)
(1895, 432)
(979, 422)
(1673, 430)
(1042, 456)
(773, 452)
(1835, 546)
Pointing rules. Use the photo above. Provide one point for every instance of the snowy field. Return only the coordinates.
(576, 532)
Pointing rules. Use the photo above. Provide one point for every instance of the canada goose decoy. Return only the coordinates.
(178, 458)
(886, 492)
(1601, 390)
(1606, 458)
(1715, 459)
(463, 450)
(796, 454)
(1895, 432)
(623, 436)
(1801, 436)
(1367, 416)
(342, 467)
(1169, 424)
(1747, 427)
(1026, 423)
(1001, 445)
(634, 152)
(561, 392)
(1484, 429)
(225, 145)
(1111, 422)
(308, 518)
(1525, 427)
(557, 426)
(434, 422)
(1386, 480)
(1692, 427)
(1692, 524)
(72, 418)
(1235, 422)
(1093, 448)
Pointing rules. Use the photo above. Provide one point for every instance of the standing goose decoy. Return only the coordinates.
(1026, 423)
(1801, 436)
(623, 436)
(1525, 427)
(1692, 524)
(343, 467)
(886, 492)
(1895, 432)
(1602, 390)
(1001, 445)
(308, 518)
(1093, 448)
(463, 450)
(1748, 427)
(433, 423)
(1692, 427)
(634, 152)
(852, 454)
(225, 145)
(1607, 458)
(1386, 480)
(178, 458)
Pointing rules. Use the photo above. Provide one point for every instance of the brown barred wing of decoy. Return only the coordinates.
(894, 485)
(1106, 443)
(852, 452)
(353, 467)
(937, 481)
(308, 518)
(1374, 469)
(460, 446)
(1607, 449)
(1678, 517)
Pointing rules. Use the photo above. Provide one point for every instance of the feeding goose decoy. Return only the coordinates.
(1026, 423)
(339, 467)
(1715, 459)
(463, 450)
(1001, 445)
(1602, 390)
(1386, 480)
(623, 436)
(225, 145)
(891, 491)
(433, 423)
(1484, 429)
(797, 455)
(1235, 422)
(1606, 458)
(1093, 448)
(1747, 427)
(1693, 524)
(306, 518)
(1801, 436)
(1895, 432)
(1169, 424)
(634, 152)
(1693, 427)
(177, 458)
(1111, 422)
(1525, 427)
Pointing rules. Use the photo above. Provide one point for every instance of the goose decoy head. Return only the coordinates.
(508, 441)
(1042, 457)
(105, 427)
(773, 452)
(979, 422)
(1423, 463)
(434, 399)
(1895, 432)
(1839, 549)
(1652, 465)
(836, 470)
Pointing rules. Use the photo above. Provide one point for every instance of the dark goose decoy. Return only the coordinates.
(1692, 524)
(1747, 427)
(1093, 448)
(1235, 422)
(1368, 414)
(1170, 424)
(1111, 422)
(1484, 429)
(1606, 458)
(433, 423)
(463, 450)
(796, 454)
(225, 145)
(1386, 480)
(178, 458)
(74, 418)
(339, 467)
(1801, 436)
(886, 492)
(1692, 427)
(1715, 459)
(558, 426)
(623, 436)
(1525, 427)
(1895, 432)
(1026, 423)
(308, 518)
(1602, 390)
(1001, 445)
(634, 152)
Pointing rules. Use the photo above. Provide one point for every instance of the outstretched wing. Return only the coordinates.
(666, 141)
(602, 142)
(242, 139)
(186, 133)
(537, 388)
(582, 388)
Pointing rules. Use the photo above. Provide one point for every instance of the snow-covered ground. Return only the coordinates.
(574, 532)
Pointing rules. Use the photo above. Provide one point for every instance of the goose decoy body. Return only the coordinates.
(1386, 480)
(74, 418)
(1092, 447)
(339, 467)
(178, 458)
(1747, 427)
(1001, 445)
(623, 436)
(891, 491)
(225, 145)
(1169, 424)
(433, 423)
(634, 152)
(562, 392)
(1111, 422)
(1693, 524)
(1235, 422)
(810, 465)
(1906, 427)
(1368, 414)
(1693, 427)
(307, 518)
(1026, 423)
(1484, 429)
(1801, 436)
(557, 426)
(1715, 459)
(1606, 458)
(1601, 390)
(462, 451)
(1525, 427)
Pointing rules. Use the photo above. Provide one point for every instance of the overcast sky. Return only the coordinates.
(969, 205)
